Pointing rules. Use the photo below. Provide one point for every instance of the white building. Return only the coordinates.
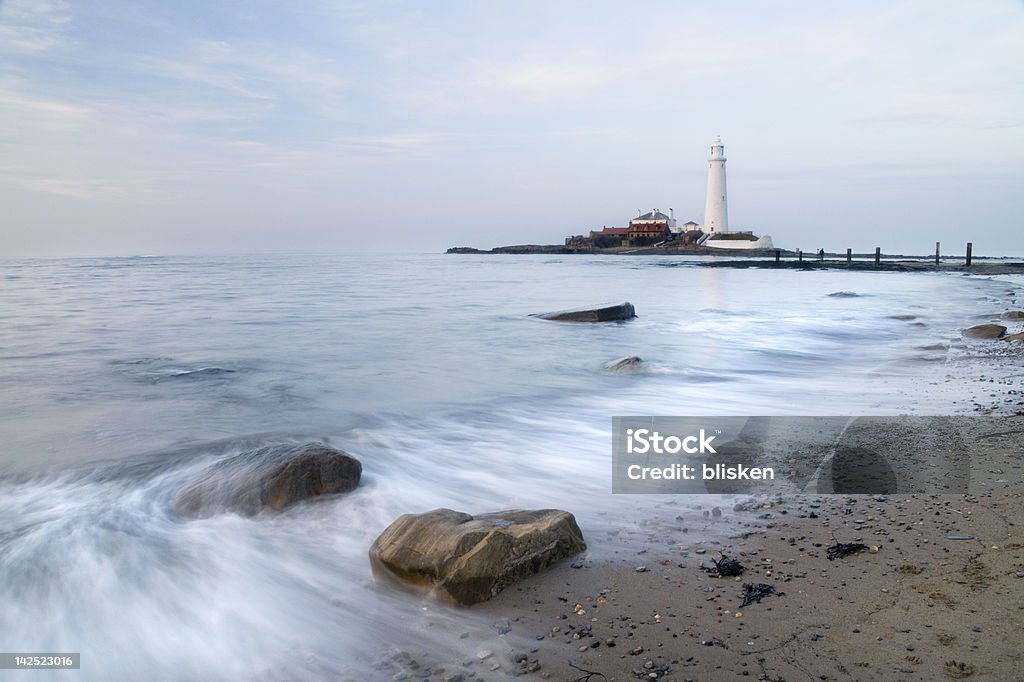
(655, 217)
(716, 210)
(716, 206)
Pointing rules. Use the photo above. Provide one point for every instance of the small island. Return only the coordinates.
(658, 232)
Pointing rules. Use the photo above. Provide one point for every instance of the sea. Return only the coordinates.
(122, 378)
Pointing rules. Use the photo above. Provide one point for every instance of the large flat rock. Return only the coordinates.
(469, 559)
(610, 313)
(985, 331)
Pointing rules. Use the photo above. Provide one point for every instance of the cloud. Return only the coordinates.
(94, 190)
(33, 26)
(544, 78)
(257, 70)
(40, 112)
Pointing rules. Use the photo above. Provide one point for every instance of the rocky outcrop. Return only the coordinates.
(469, 559)
(515, 249)
(985, 331)
(623, 365)
(611, 313)
(271, 478)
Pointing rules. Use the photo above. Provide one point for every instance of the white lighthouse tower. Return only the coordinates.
(716, 209)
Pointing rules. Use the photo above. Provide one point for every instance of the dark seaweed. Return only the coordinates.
(726, 567)
(842, 549)
(755, 593)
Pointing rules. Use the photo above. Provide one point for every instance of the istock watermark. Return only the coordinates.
(758, 454)
(642, 441)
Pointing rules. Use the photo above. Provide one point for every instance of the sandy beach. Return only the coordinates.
(924, 605)
(933, 593)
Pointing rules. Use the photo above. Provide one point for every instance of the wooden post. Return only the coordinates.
(800, 255)
(778, 252)
(849, 255)
(969, 247)
(936, 253)
(878, 255)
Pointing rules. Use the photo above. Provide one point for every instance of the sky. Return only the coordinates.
(151, 127)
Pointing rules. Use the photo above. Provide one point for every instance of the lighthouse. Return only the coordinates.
(716, 210)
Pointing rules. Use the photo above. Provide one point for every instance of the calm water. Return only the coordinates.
(120, 378)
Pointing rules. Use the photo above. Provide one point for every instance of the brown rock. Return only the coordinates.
(469, 559)
(985, 331)
(1013, 315)
(268, 478)
(612, 313)
(1014, 337)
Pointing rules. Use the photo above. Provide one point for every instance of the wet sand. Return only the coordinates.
(924, 606)
(936, 593)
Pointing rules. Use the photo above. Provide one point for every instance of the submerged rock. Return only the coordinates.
(268, 478)
(612, 313)
(628, 364)
(985, 331)
(1013, 315)
(469, 559)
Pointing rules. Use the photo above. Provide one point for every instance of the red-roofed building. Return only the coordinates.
(649, 228)
(610, 236)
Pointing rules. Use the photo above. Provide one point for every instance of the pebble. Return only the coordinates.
(642, 569)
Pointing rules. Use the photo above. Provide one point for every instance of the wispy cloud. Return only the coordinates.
(37, 112)
(544, 78)
(33, 26)
(93, 190)
(401, 143)
(257, 70)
